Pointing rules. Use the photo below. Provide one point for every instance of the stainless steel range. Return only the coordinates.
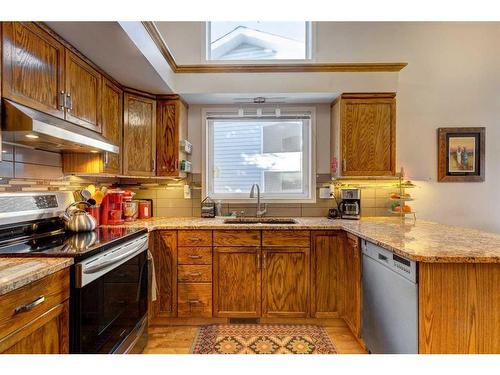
(110, 277)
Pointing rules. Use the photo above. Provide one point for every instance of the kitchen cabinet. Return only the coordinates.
(352, 289)
(171, 129)
(112, 127)
(237, 282)
(34, 319)
(285, 281)
(112, 124)
(164, 251)
(365, 125)
(327, 270)
(139, 136)
(33, 68)
(83, 93)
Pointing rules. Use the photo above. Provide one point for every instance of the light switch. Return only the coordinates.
(324, 193)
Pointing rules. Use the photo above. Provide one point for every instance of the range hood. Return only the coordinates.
(27, 127)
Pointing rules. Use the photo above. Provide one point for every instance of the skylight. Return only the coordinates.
(258, 41)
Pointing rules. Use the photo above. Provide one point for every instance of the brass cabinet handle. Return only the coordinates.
(194, 301)
(258, 261)
(194, 256)
(106, 158)
(264, 261)
(195, 274)
(30, 306)
(344, 165)
(153, 164)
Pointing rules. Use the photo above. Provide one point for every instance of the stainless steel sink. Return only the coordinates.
(260, 220)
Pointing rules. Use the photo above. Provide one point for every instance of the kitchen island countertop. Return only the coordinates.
(18, 272)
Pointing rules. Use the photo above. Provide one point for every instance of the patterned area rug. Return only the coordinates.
(262, 339)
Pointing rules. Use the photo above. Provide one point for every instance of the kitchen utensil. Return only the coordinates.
(92, 189)
(78, 220)
(86, 194)
(98, 196)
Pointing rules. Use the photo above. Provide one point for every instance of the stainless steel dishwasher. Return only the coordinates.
(390, 301)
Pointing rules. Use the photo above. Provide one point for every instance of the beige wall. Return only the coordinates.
(452, 79)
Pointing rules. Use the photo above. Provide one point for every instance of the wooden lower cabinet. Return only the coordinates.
(47, 334)
(43, 326)
(237, 282)
(195, 300)
(352, 289)
(163, 245)
(327, 270)
(285, 281)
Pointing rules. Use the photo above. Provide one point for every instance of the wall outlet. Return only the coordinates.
(187, 192)
(325, 193)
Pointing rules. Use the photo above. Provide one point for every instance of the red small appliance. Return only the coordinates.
(111, 207)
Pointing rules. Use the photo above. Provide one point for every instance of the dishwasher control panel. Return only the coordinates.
(405, 267)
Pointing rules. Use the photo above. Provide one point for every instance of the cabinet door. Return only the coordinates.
(285, 282)
(171, 129)
(139, 146)
(33, 65)
(352, 313)
(164, 252)
(237, 282)
(83, 93)
(327, 267)
(368, 136)
(112, 124)
(47, 334)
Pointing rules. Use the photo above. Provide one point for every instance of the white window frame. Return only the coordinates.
(309, 148)
(310, 49)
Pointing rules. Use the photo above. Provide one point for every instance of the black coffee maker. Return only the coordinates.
(350, 205)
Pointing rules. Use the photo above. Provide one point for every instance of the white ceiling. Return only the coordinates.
(110, 48)
(291, 98)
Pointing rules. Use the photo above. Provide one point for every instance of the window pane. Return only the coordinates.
(269, 153)
(257, 40)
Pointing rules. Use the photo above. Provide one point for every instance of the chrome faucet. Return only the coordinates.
(252, 195)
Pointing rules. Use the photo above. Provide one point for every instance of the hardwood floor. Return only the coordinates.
(179, 339)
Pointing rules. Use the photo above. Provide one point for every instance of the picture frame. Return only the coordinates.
(461, 154)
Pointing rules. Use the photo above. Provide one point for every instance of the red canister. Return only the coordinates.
(144, 209)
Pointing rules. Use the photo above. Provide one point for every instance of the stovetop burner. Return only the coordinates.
(64, 244)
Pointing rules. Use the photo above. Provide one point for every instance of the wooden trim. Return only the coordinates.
(130, 90)
(368, 95)
(265, 68)
(442, 176)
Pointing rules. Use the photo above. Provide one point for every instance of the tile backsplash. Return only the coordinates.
(168, 200)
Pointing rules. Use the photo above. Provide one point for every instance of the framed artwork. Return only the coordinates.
(461, 154)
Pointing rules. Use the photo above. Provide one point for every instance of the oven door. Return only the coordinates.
(110, 299)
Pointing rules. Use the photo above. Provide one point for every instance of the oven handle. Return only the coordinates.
(99, 267)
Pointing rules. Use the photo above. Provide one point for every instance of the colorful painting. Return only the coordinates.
(461, 154)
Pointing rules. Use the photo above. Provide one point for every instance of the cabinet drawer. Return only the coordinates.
(236, 238)
(194, 255)
(194, 273)
(295, 238)
(43, 295)
(195, 300)
(195, 238)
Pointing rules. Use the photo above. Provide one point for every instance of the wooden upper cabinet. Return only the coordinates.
(139, 135)
(367, 134)
(171, 130)
(83, 93)
(33, 67)
(328, 269)
(285, 282)
(237, 282)
(112, 123)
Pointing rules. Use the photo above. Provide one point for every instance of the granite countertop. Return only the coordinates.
(18, 272)
(422, 241)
